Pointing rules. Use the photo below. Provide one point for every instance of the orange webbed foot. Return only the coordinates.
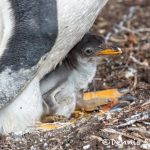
(117, 98)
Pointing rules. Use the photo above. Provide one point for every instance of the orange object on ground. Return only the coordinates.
(112, 94)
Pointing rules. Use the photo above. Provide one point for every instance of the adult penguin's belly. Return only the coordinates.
(43, 34)
(40, 34)
(75, 18)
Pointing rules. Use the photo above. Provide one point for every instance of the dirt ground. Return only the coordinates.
(127, 24)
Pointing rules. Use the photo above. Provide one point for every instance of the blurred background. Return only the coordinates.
(126, 23)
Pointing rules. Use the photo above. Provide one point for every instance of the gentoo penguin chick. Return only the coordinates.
(62, 88)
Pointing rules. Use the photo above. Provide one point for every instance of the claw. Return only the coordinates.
(124, 101)
(120, 105)
(128, 98)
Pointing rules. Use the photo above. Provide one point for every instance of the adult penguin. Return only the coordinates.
(35, 35)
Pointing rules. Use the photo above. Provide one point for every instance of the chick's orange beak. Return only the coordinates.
(109, 51)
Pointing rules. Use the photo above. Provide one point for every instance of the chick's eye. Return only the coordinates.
(88, 51)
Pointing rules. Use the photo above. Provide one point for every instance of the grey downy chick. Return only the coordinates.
(63, 88)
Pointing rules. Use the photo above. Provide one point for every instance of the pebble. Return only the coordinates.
(86, 147)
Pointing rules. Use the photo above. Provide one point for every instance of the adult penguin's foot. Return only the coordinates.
(117, 99)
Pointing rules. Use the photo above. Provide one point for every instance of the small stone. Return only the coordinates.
(45, 145)
(86, 147)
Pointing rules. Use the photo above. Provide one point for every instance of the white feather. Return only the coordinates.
(6, 24)
(65, 94)
(25, 111)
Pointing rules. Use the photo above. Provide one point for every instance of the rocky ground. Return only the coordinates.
(127, 24)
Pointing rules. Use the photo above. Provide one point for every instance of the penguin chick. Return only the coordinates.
(63, 88)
